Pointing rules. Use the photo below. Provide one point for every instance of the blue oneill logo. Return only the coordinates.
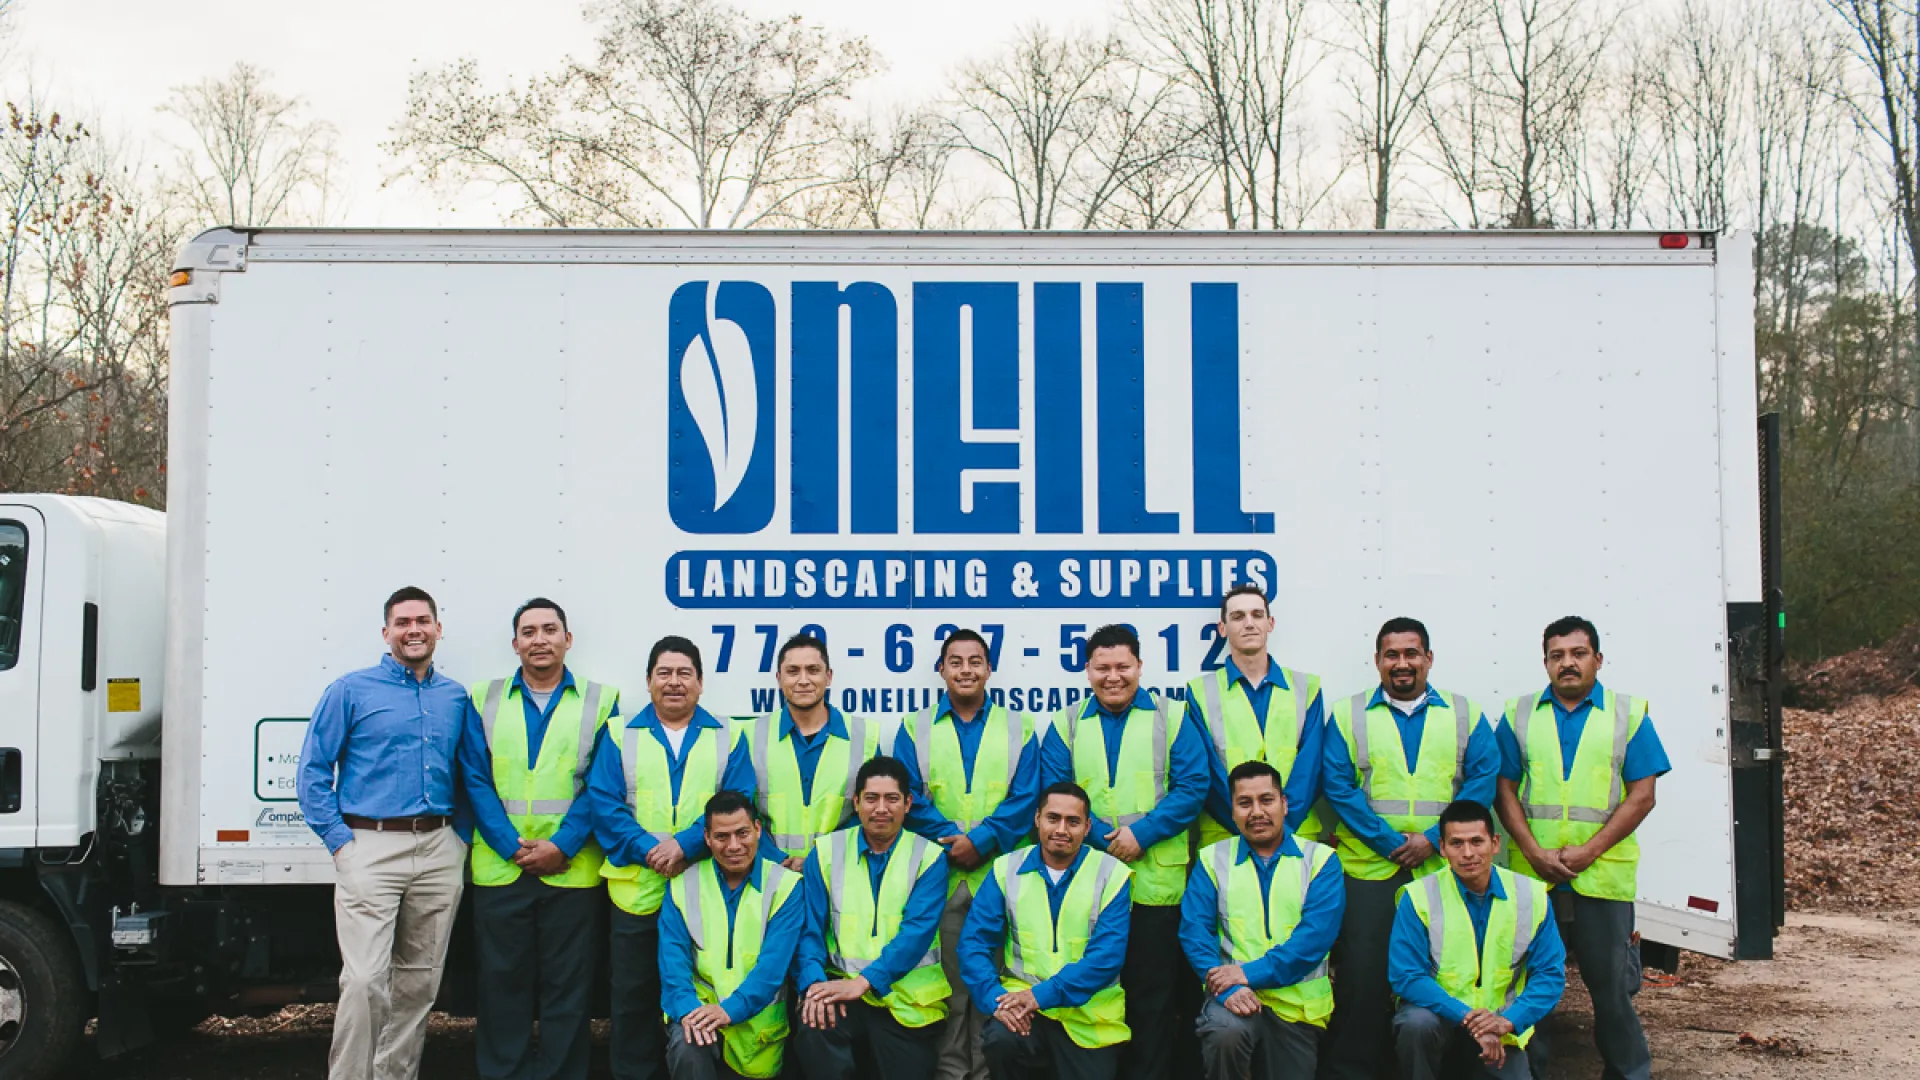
(965, 410)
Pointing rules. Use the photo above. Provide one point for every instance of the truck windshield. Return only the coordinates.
(13, 590)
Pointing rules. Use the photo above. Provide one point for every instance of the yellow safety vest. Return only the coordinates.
(859, 928)
(537, 799)
(1407, 803)
(795, 819)
(1238, 736)
(1567, 809)
(936, 747)
(1139, 784)
(1250, 926)
(721, 962)
(636, 889)
(1494, 975)
(1039, 944)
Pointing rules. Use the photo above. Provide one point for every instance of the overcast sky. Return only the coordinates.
(114, 60)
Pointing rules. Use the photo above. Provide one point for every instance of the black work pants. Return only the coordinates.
(685, 1061)
(867, 1043)
(1599, 934)
(1012, 1056)
(639, 1041)
(1261, 1046)
(1359, 1037)
(538, 946)
(1429, 1048)
(1161, 996)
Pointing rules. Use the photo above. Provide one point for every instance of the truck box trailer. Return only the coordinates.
(876, 438)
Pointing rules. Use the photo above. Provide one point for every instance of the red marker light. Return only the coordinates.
(1674, 241)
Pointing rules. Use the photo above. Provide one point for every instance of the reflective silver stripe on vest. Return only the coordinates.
(1622, 710)
(1302, 701)
(690, 909)
(856, 745)
(589, 727)
(762, 734)
(1436, 918)
(490, 707)
(837, 884)
(1357, 717)
(1522, 935)
(1215, 718)
(1462, 730)
(630, 758)
(1587, 815)
(1320, 970)
(923, 743)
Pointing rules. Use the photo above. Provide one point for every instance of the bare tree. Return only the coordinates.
(691, 113)
(1698, 85)
(254, 157)
(1146, 165)
(1544, 59)
(1400, 49)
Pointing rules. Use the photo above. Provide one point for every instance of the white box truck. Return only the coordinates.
(877, 437)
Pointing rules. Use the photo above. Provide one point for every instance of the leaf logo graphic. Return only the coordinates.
(717, 379)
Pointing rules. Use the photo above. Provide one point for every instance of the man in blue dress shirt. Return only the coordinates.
(377, 785)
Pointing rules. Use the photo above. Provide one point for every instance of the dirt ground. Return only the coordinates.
(1841, 999)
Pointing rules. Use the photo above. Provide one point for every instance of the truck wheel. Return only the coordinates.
(42, 991)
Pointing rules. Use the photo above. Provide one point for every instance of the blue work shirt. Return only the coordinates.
(1003, 830)
(1186, 766)
(769, 973)
(382, 744)
(1286, 963)
(1645, 755)
(1411, 970)
(984, 934)
(806, 754)
(918, 925)
(619, 833)
(1477, 779)
(1302, 782)
(476, 772)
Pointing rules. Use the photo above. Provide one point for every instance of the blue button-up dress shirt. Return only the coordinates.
(985, 931)
(1291, 960)
(918, 924)
(1411, 970)
(1009, 822)
(1477, 780)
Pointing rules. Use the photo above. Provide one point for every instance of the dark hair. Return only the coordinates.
(1065, 787)
(885, 768)
(1465, 812)
(539, 603)
(965, 634)
(1570, 624)
(1254, 770)
(674, 643)
(406, 595)
(1246, 589)
(802, 641)
(1402, 625)
(1113, 635)
(729, 801)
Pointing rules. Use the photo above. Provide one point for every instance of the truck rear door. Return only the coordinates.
(22, 552)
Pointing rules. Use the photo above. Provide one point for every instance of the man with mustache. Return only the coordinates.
(1258, 920)
(1392, 760)
(649, 788)
(1578, 766)
(975, 768)
(525, 755)
(805, 756)
(868, 971)
(1476, 959)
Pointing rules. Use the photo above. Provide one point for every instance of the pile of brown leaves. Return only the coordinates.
(1853, 796)
(1831, 683)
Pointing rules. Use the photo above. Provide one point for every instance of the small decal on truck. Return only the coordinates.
(123, 695)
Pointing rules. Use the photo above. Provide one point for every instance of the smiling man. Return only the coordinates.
(805, 756)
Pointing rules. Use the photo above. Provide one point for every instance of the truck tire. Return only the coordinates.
(42, 994)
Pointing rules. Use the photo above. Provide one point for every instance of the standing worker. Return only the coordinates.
(1393, 759)
(1577, 767)
(1259, 918)
(868, 972)
(538, 899)
(975, 773)
(377, 785)
(1145, 769)
(1043, 949)
(1252, 709)
(728, 932)
(1475, 959)
(649, 789)
(805, 757)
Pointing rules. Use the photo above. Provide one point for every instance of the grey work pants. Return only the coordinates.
(537, 947)
(394, 899)
(1257, 1047)
(867, 1043)
(1599, 934)
(1429, 1047)
(960, 1056)
(1359, 1044)
(686, 1061)
(1012, 1056)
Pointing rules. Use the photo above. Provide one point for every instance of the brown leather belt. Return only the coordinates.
(424, 823)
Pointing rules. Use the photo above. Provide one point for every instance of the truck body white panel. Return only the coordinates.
(1481, 431)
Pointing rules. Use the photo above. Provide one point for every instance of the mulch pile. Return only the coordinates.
(1853, 779)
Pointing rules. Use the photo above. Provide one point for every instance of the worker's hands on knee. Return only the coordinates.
(825, 1002)
(1416, 850)
(702, 1025)
(1016, 1011)
(1481, 1022)
(1492, 1051)
(541, 858)
(1220, 979)
(1121, 844)
(1242, 1002)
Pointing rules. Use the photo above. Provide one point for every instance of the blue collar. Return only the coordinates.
(1595, 697)
(836, 724)
(646, 717)
(753, 875)
(396, 670)
(1380, 697)
(1141, 700)
(566, 682)
(1034, 863)
(1287, 847)
(861, 846)
(1274, 675)
(943, 709)
(1494, 888)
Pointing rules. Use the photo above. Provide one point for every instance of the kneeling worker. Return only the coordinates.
(1475, 957)
(1060, 912)
(1257, 922)
(869, 967)
(727, 937)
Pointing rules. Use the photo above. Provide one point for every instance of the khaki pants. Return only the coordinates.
(960, 1056)
(394, 899)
